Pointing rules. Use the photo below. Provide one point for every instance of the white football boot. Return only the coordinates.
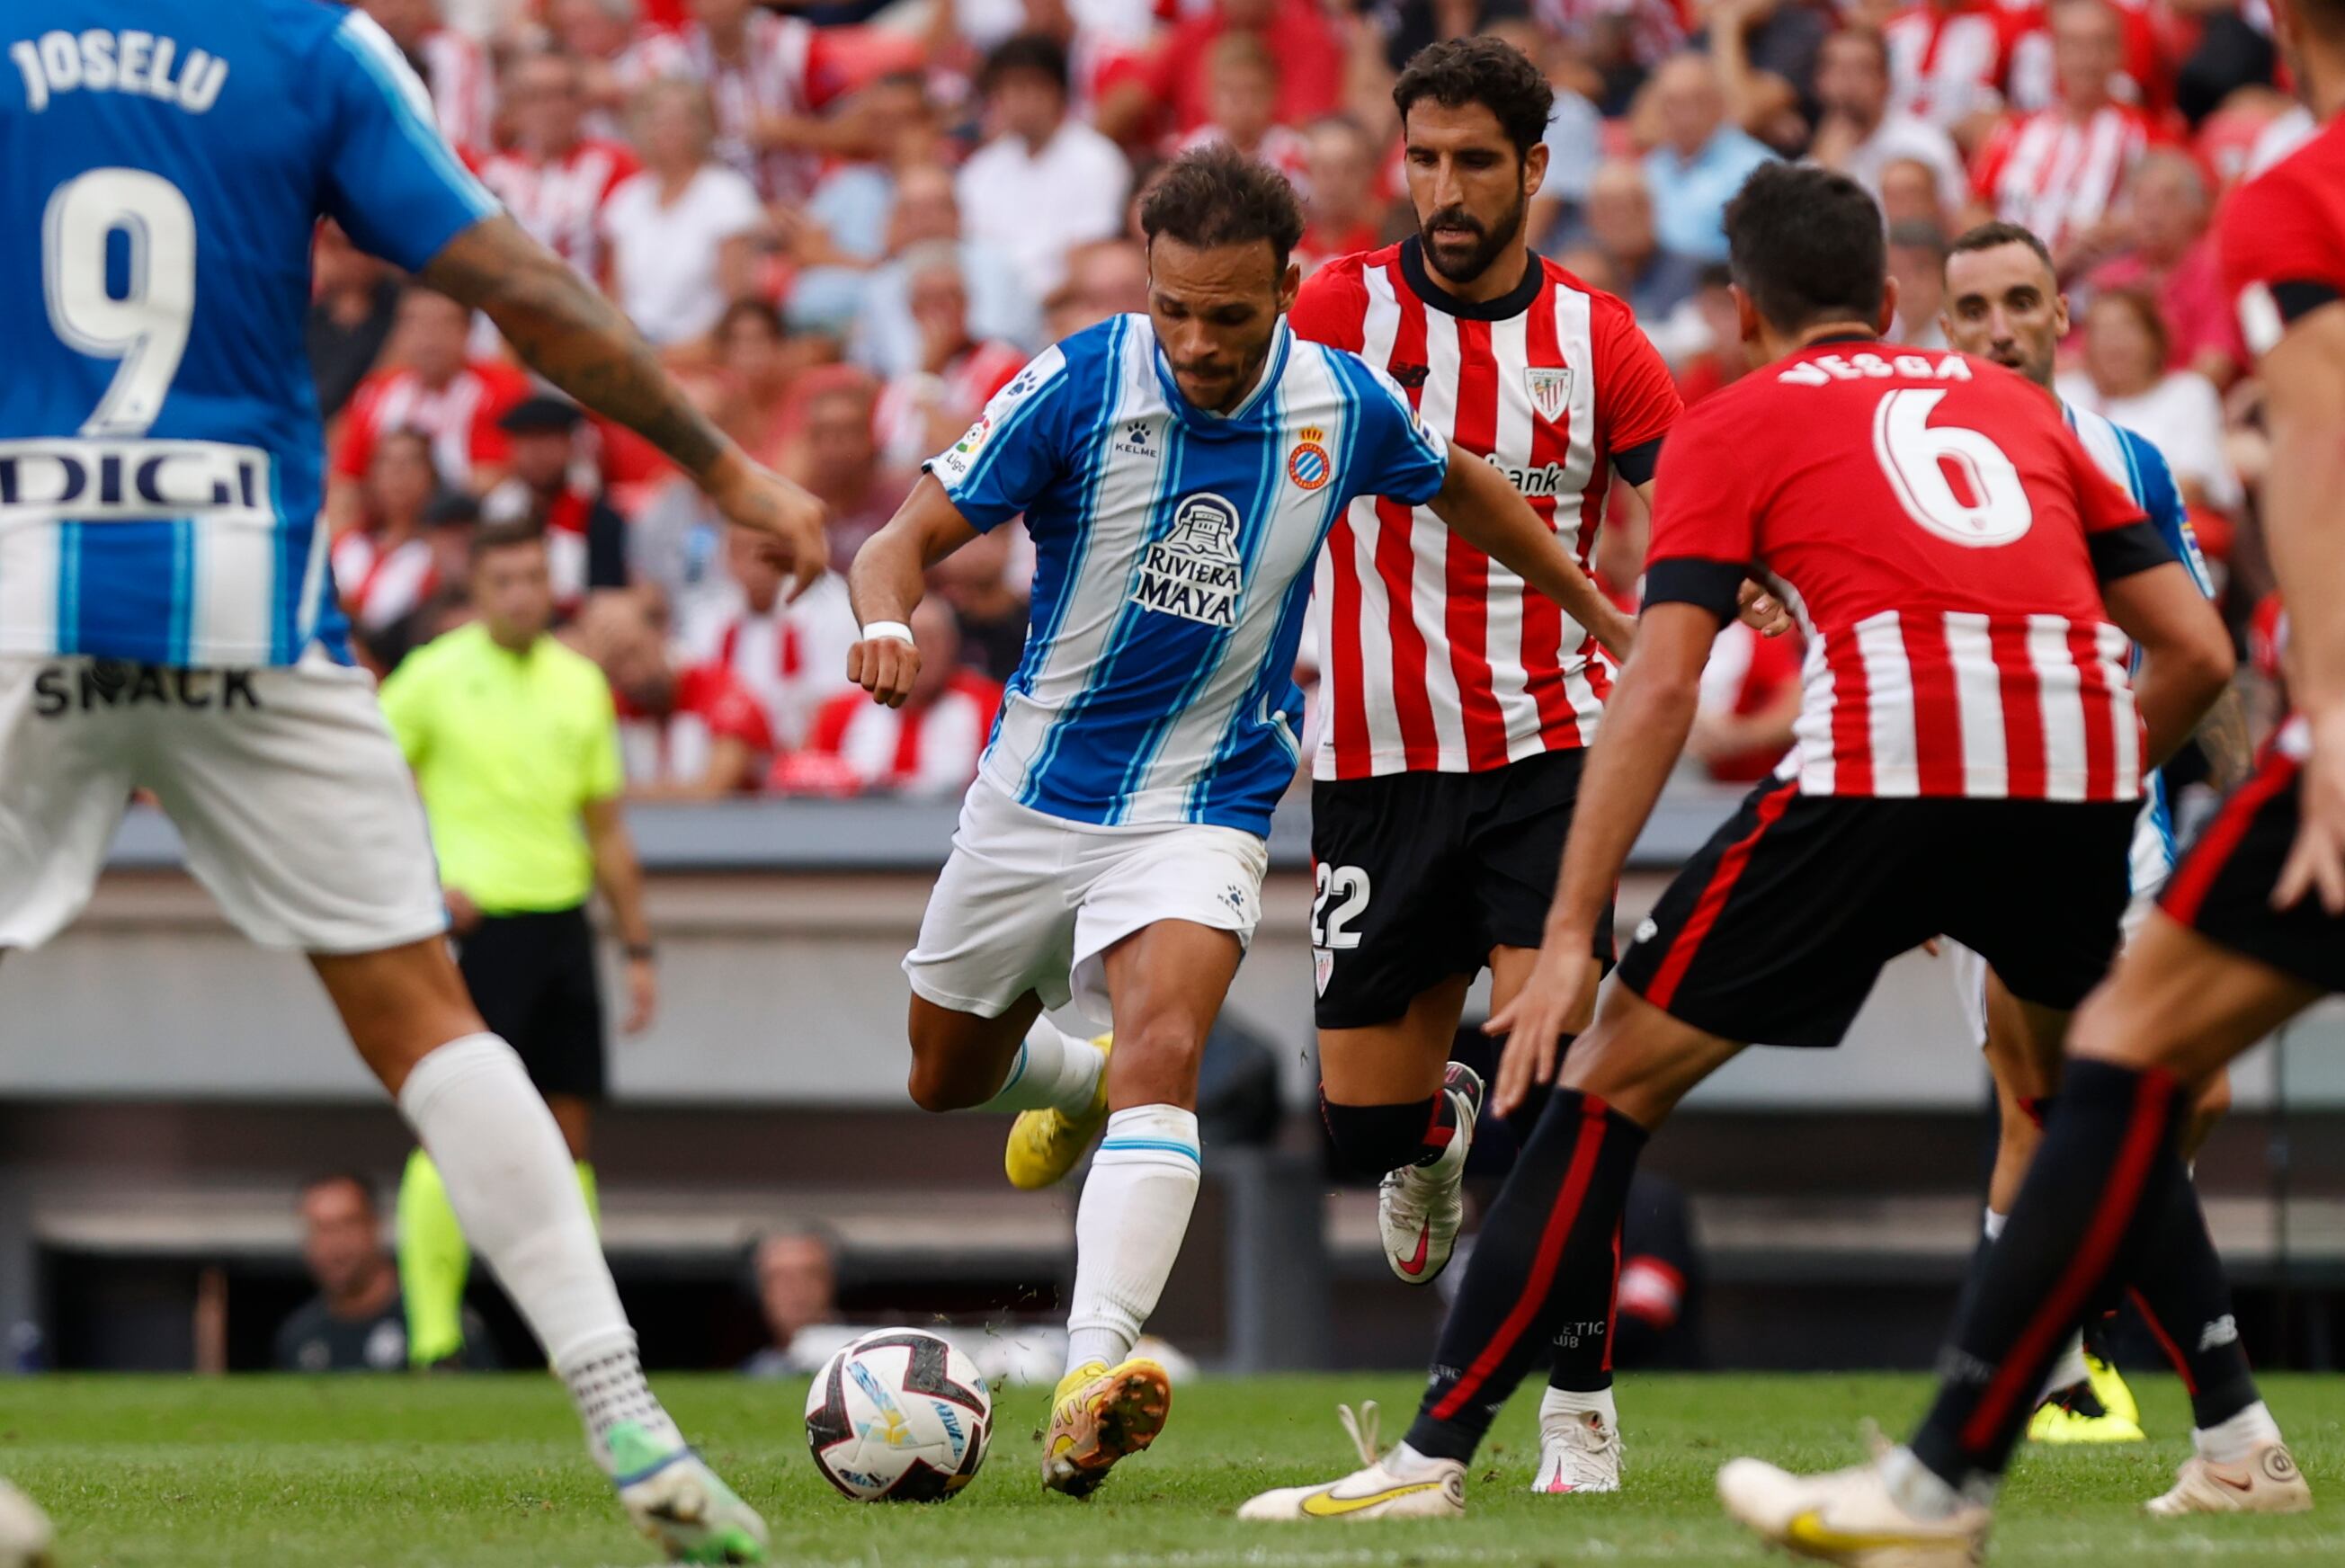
(1849, 1517)
(25, 1536)
(1580, 1451)
(2268, 1482)
(1431, 1488)
(1420, 1207)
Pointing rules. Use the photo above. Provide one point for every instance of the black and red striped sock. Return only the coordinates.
(2099, 1187)
(1541, 1277)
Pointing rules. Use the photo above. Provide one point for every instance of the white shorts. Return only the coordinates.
(294, 803)
(1969, 969)
(1031, 902)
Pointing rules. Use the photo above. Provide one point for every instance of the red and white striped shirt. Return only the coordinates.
(1945, 65)
(926, 753)
(463, 87)
(377, 585)
(2056, 176)
(792, 658)
(783, 73)
(559, 201)
(1926, 517)
(460, 417)
(1433, 656)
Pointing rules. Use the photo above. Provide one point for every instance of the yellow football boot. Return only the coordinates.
(1045, 1145)
(1100, 1415)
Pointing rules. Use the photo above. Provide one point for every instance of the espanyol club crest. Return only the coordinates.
(1550, 389)
(1308, 464)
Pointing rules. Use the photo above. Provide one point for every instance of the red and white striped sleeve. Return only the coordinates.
(1333, 306)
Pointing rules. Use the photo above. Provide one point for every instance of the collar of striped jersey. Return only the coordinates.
(1205, 420)
(1511, 304)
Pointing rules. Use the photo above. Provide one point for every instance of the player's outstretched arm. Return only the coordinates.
(1646, 722)
(578, 340)
(1483, 508)
(885, 583)
(2186, 654)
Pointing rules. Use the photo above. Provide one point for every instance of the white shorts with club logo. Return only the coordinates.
(296, 808)
(1031, 902)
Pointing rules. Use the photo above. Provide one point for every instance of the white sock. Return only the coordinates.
(515, 1192)
(1129, 1224)
(1053, 1070)
(2232, 1441)
(1405, 1464)
(2069, 1369)
(1561, 1404)
(1994, 1224)
(1915, 1487)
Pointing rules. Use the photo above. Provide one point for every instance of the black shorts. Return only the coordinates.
(533, 976)
(1776, 929)
(1420, 875)
(2222, 889)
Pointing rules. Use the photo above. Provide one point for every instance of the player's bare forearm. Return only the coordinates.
(2187, 661)
(1481, 508)
(574, 337)
(618, 871)
(885, 583)
(2304, 410)
(2225, 740)
(1646, 722)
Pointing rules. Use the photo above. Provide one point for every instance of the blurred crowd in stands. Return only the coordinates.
(845, 223)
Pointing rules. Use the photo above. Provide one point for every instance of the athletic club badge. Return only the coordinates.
(1308, 464)
(1550, 388)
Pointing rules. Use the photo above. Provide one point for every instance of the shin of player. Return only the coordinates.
(1178, 472)
(1874, 837)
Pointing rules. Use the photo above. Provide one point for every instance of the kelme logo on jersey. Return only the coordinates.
(1194, 571)
(1550, 389)
(1308, 464)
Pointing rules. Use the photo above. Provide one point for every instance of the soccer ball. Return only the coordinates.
(899, 1416)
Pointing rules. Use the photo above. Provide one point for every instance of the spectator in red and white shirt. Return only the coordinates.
(386, 567)
(2056, 172)
(1174, 81)
(686, 730)
(922, 410)
(926, 750)
(2170, 254)
(454, 68)
(769, 80)
(586, 539)
(789, 654)
(553, 180)
(1241, 87)
(1951, 61)
(432, 387)
(1347, 207)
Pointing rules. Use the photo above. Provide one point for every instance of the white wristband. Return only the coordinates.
(894, 629)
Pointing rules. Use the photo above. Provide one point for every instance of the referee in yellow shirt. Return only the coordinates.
(515, 748)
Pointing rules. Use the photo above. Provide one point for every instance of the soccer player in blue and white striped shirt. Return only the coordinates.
(1178, 471)
(2003, 303)
(166, 615)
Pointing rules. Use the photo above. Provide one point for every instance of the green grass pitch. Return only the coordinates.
(448, 1473)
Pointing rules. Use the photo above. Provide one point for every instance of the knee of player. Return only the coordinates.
(935, 1084)
(1156, 1060)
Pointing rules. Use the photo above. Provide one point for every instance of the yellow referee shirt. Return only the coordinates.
(507, 749)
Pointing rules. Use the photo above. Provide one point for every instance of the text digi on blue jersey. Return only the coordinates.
(161, 462)
(1173, 555)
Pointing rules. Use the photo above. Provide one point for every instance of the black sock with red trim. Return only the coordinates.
(1371, 1140)
(2178, 1282)
(1540, 1280)
(2097, 1191)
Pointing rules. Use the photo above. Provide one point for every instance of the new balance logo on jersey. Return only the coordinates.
(1193, 572)
(110, 683)
(1411, 377)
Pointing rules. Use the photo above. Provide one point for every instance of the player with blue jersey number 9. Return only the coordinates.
(160, 556)
(1178, 471)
